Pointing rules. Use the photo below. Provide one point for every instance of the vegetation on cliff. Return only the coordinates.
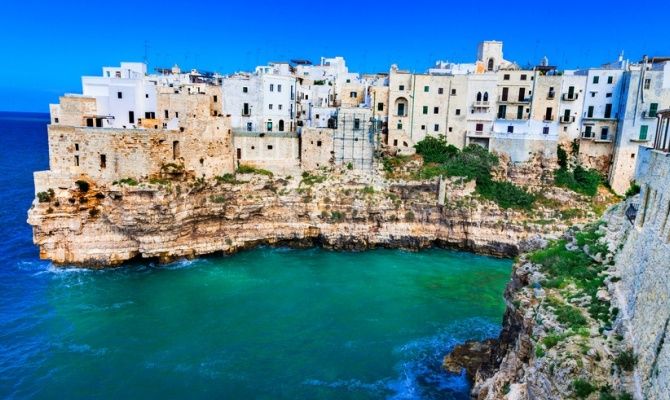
(475, 163)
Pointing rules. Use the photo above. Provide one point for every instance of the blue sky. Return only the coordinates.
(46, 46)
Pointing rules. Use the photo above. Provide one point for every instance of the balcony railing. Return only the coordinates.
(548, 118)
(567, 97)
(481, 103)
(514, 100)
(567, 120)
(647, 114)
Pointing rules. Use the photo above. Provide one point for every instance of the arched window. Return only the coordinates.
(281, 125)
(486, 96)
(490, 68)
(479, 96)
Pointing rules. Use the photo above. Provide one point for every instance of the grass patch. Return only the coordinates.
(626, 360)
(582, 389)
(126, 182)
(309, 179)
(248, 169)
(227, 178)
(580, 180)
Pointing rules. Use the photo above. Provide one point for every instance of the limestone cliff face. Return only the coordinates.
(107, 226)
(598, 334)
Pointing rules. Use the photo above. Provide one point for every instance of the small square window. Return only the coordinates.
(545, 130)
(510, 129)
(270, 106)
(610, 79)
(269, 147)
(436, 110)
(608, 95)
(647, 83)
(425, 109)
(426, 89)
(440, 91)
(451, 129)
(380, 106)
(401, 87)
(453, 92)
(524, 77)
(119, 95)
(596, 79)
(506, 77)
(436, 128)
(280, 106)
(458, 111)
(245, 89)
(423, 127)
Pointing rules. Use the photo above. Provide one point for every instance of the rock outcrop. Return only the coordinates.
(105, 226)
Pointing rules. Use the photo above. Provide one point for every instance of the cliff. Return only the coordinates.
(168, 219)
(588, 316)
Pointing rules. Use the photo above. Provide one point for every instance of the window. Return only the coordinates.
(643, 132)
(479, 96)
(281, 125)
(653, 108)
(55, 120)
(647, 83)
(608, 110)
(490, 64)
(215, 98)
(103, 161)
(588, 131)
(458, 111)
(479, 128)
(451, 129)
(176, 114)
(524, 77)
(175, 149)
(545, 130)
(353, 95)
(436, 128)
(76, 161)
(380, 106)
(249, 126)
(167, 114)
(453, 92)
(510, 129)
(436, 110)
(357, 124)
(426, 89)
(401, 87)
(279, 88)
(119, 95)
(502, 111)
(425, 109)
(150, 115)
(269, 126)
(608, 94)
(399, 126)
(610, 79)
(146, 96)
(270, 106)
(76, 147)
(269, 147)
(280, 106)
(604, 133)
(245, 89)
(245, 109)
(131, 117)
(506, 77)
(272, 87)
(589, 113)
(596, 79)
(395, 142)
(318, 143)
(423, 127)
(440, 91)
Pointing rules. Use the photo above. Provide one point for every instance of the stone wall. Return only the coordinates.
(317, 148)
(644, 290)
(277, 152)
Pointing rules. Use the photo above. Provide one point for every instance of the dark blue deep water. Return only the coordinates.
(262, 324)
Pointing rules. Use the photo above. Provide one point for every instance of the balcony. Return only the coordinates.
(567, 120)
(648, 115)
(481, 134)
(603, 118)
(525, 100)
(481, 104)
(551, 95)
(548, 118)
(567, 97)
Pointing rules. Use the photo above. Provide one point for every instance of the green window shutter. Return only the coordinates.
(653, 107)
(643, 132)
(426, 88)
(425, 109)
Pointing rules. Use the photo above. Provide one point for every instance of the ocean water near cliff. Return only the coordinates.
(265, 324)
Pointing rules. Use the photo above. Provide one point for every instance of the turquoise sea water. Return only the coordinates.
(262, 324)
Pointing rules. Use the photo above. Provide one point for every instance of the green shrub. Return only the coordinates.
(248, 169)
(435, 149)
(368, 190)
(126, 181)
(83, 186)
(580, 180)
(227, 178)
(336, 216)
(506, 194)
(217, 199)
(633, 189)
(582, 388)
(551, 340)
(626, 360)
(309, 179)
(350, 166)
(409, 216)
(562, 157)
(44, 197)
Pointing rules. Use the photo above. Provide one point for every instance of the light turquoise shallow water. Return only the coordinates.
(264, 324)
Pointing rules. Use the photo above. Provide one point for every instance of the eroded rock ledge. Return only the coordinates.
(106, 226)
